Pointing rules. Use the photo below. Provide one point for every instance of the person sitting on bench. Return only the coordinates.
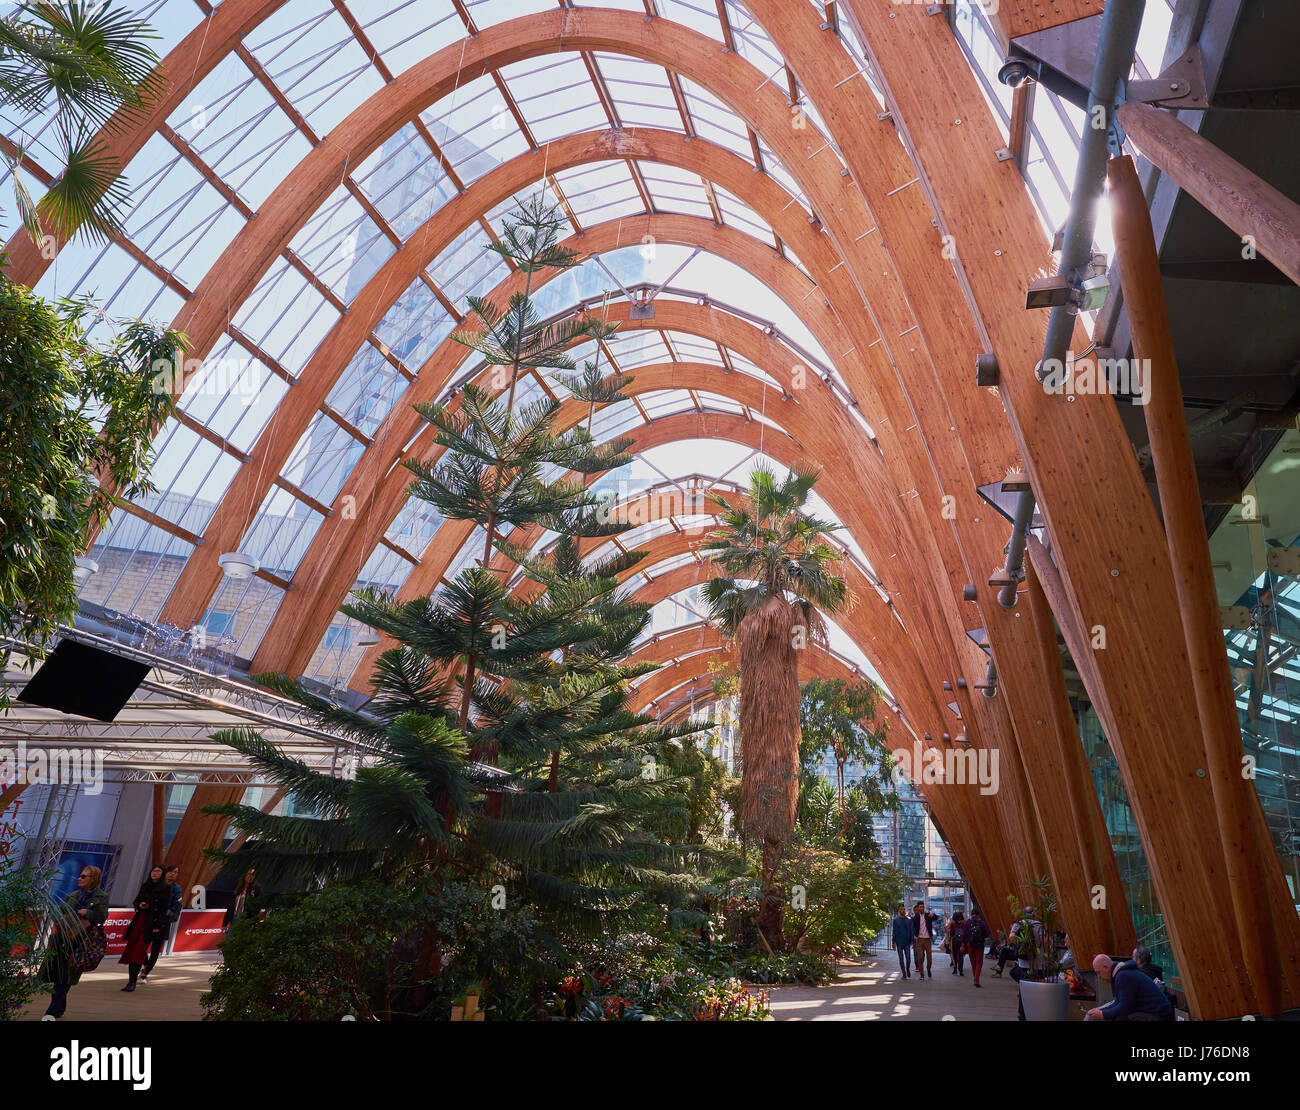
(1137, 997)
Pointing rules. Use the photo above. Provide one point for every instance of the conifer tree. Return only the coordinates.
(545, 670)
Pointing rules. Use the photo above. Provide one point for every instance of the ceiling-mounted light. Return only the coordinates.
(83, 566)
(237, 565)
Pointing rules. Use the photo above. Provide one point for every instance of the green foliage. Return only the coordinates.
(767, 539)
(353, 949)
(1033, 933)
(23, 903)
(808, 968)
(842, 902)
(92, 65)
(821, 820)
(839, 717)
(76, 417)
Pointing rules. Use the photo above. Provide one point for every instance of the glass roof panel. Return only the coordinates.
(415, 325)
(322, 459)
(716, 402)
(555, 95)
(280, 532)
(185, 465)
(404, 181)
(474, 130)
(285, 316)
(407, 31)
(675, 190)
(244, 608)
(233, 394)
(312, 55)
(714, 121)
(666, 402)
(234, 124)
(637, 348)
(342, 245)
(120, 288)
(345, 641)
(699, 15)
(752, 42)
(615, 420)
(134, 556)
(467, 267)
(601, 192)
(367, 390)
(739, 215)
(640, 91)
(176, 217)
(414, 526)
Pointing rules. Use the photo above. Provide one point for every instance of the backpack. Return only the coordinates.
(974, 933)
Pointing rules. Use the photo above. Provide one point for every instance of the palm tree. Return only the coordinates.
(94, 64)
(778, 583)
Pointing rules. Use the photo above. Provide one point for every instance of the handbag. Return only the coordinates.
(89, 949)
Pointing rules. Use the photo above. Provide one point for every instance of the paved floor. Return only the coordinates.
(867, 990)
(873, 989)
(172, 993)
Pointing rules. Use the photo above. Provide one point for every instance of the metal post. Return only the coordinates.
(1120, 23)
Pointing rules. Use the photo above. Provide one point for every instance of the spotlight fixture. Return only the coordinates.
(237, 565)
(1048, 292)
(83, 567)
(1016, 72)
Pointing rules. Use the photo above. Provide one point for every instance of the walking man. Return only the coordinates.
(923, 938)
(903, 941)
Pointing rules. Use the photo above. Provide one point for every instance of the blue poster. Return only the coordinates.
(77, 854)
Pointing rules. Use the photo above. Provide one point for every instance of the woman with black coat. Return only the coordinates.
(149, 924)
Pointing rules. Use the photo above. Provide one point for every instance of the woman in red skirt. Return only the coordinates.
(148, 925)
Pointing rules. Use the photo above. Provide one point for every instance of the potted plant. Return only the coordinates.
(1044, 995)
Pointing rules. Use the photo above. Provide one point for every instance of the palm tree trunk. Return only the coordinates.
(769, 726)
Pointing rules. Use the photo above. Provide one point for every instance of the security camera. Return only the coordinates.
(1016, 72)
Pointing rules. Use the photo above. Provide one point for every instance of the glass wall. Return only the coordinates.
(1255, 550)
(1134, 871)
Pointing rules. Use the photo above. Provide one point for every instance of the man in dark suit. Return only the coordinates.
(903, 940)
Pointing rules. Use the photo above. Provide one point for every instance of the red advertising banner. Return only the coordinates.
(199, 931)
(115, 929)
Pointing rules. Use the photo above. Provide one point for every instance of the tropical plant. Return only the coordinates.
(840, 716)
(1035, 929)
(777, 582)
(821, 825)
(29, 917)
(93, 65)
(499, 743)
(77, 420)
(352, 950)
(497, 459)
(840, 902)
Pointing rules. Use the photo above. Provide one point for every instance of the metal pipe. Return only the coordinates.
(1120, 23)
